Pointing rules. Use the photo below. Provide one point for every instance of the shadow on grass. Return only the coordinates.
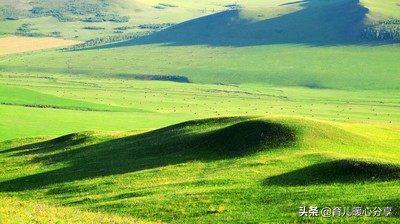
(204, 140)
(339, 171)
(50, 145)
(335, 22)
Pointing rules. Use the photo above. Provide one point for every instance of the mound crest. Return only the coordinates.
(244, 138)
(200, 140)
(338, 171)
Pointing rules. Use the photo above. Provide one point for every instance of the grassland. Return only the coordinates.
(191, 173)
(12, 45)
(382, 10)
(207, 171)
(18, 211)
(82, 103)
(230, 116)
(154, 12)
(8, 28)
(138, 12)
(293, 65)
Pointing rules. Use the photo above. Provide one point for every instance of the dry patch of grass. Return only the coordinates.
(12, 45)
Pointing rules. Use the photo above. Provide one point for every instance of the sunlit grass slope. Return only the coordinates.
(139, 13)
(381, 10)
(53, 104)
(232, 169)
(309, 43)
(342, 67)
(29, 98)
(18, 211)
(312, 22)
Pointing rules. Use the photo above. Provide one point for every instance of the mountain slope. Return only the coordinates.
(315, 23)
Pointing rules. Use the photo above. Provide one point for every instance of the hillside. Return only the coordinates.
(338, 44)
(22, 211)
(218, 23)
(183, 111)
(314, 23)
(84, 20)
(177, 173)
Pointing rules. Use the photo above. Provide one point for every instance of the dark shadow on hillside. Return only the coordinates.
(48, 146)
(223, 139)
(333, 22)
(340, 171)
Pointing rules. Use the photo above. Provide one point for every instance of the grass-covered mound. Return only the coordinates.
(233, 169)
(338, 171)
(204, 140)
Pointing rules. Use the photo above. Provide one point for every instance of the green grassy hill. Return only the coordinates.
(315, 23)
(68, 104)
(297, 104)
(232, 169)
(247, 23)
(83, 20)
(317, 44)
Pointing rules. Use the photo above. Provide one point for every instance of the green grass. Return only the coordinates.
(29, 98)
(188, 173)
(54, 104)
(315, 67)
(289, 57)
(139, 12)
(382, 10)
(307, 22)
(143, 12)
(27, 121)
(8, 27)
(18, 211)
(345, 67)
(304, 114)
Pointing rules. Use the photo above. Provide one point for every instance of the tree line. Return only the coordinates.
(108, 39)
(385, 30)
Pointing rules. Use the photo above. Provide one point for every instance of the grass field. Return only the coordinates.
(191, 173)
(18, 211)
(154, 12)
(12, 45)
(81, 103)
(360, 133)
(240, 113)
(294, 65)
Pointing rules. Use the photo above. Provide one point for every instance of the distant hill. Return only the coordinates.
(207, 22)
(316, 23)
(311, 22)
(335, 44)
(69, 19)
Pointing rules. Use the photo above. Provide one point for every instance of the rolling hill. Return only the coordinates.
(252, 160)
(317, 44)
(199, 111)
(315, 23)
